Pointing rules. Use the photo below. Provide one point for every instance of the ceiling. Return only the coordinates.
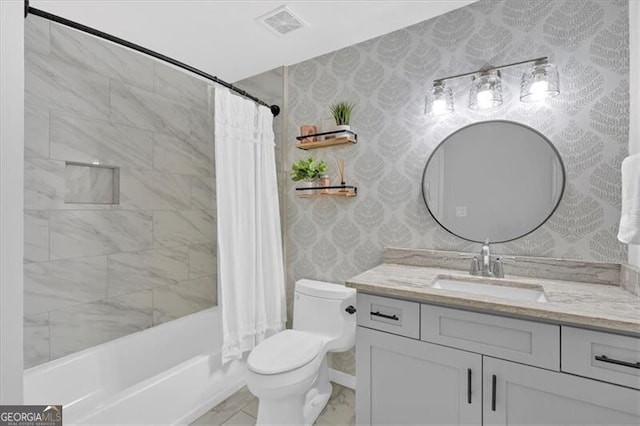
(223, 38)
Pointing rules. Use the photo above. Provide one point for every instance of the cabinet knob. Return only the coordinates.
(350, 310)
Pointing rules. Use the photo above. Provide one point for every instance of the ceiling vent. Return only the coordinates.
(281, 21)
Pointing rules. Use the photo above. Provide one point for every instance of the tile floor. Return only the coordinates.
(241, 408)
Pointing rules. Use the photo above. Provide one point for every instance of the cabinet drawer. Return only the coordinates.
(603, 356)
(391, 315)
(522, 341)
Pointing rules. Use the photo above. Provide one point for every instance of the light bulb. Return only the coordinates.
(439, 107)
(442, 101)
(539, 90)
(540, 82)
(485, 99)
(486, 90)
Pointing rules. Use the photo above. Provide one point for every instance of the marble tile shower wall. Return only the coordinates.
(95, 272)
(389, 76)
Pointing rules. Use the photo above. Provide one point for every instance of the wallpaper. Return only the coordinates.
(388, 77)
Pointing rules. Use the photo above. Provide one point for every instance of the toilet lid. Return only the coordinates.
(284, 351)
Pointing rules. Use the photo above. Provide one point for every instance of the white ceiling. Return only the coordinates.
(223, 38)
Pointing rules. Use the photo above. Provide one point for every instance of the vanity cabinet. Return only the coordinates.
(443, 366)
(409, 382)
(516, 394)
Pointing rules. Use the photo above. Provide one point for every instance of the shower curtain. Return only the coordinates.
(251, 272)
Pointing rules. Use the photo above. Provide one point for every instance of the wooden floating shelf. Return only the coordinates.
(340, 139)
(327, 191)
(326, 142)
(328, 194)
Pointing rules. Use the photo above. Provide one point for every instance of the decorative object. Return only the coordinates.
(307, 130)
(341, 175)
(325, 181)
(308, 171)
(539, 82)
(341, 112)
(328, 125)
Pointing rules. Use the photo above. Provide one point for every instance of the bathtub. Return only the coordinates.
(166, 375)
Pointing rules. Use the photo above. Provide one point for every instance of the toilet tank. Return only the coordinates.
(321, 307)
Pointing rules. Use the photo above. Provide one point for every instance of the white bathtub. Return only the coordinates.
(169, 374)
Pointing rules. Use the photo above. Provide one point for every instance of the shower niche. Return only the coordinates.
(91, 184)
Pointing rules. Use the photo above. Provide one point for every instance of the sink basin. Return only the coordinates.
(503, 290)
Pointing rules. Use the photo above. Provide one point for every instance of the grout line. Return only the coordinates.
(120, 252)
(49, 334)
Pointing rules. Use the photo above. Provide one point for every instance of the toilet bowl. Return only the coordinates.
(288, 372)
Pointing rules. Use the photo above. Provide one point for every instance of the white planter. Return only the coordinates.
(308, 184)
(342, 127)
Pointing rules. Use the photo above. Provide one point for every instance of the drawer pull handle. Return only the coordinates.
(391, 317)
(605, 358)
(469, 385)
(493, 393)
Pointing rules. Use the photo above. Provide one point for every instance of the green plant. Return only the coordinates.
(341, 112)
(307, 169)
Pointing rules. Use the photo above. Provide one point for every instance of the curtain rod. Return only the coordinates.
(275, 109)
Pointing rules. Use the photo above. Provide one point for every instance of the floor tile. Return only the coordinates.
(252, 408)
(209, 418)
(241, 419)
(340, 409)
(241, 408)
(226, 409)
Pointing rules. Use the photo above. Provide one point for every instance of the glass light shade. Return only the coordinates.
(486, 90)
(441, 99)
(539, 82)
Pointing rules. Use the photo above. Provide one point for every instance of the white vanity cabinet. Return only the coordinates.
(468, 368)
(516, 394)
(409, 382)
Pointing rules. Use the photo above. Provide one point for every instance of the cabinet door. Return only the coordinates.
(405, 381)
(515, 394)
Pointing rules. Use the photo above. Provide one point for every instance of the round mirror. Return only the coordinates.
(495, 180)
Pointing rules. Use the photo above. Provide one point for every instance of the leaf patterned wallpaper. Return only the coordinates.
(333, 239)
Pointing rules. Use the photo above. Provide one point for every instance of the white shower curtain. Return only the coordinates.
(250, 262)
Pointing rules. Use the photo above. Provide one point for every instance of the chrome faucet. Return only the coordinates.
(485, 255)
(485, 265)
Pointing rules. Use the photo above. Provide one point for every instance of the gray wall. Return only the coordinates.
(333, 239)
(95, 272)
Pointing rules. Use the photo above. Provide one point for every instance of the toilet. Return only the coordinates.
(288, 372)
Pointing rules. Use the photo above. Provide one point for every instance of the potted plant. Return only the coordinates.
(341, 112)
(308, 171)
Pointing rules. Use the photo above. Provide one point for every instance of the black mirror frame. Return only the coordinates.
(555, 150)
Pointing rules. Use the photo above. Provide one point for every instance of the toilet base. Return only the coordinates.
(297, 410)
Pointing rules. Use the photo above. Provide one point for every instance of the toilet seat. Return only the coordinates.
(284, 352)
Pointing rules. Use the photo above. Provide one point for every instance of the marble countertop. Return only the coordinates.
(602, 306)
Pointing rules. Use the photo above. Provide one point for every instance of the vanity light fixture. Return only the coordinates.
(486, 90)
(539, 82)
(442, 102)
